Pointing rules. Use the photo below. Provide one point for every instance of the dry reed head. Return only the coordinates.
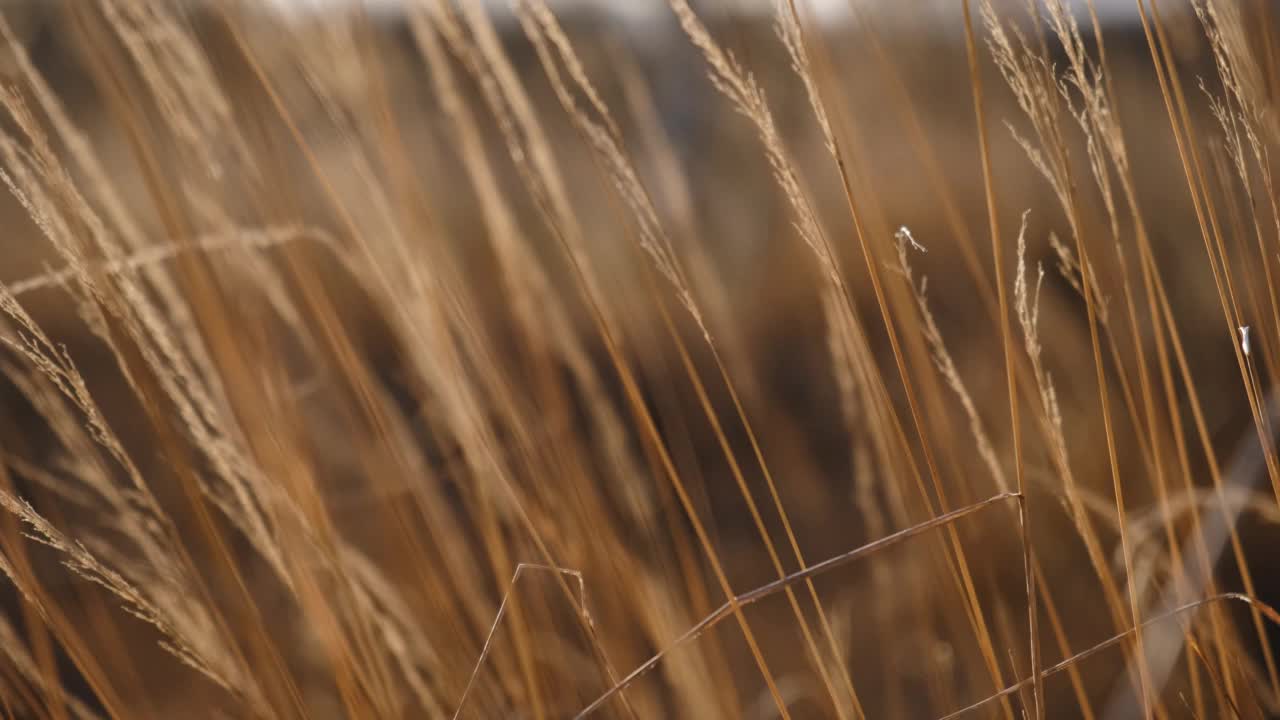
(431, 365)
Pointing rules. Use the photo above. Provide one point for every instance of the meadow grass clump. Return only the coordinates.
(455, 361)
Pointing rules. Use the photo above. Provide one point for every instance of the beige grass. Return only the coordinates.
(440, 371)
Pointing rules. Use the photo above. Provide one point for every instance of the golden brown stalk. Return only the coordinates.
(1006, 340)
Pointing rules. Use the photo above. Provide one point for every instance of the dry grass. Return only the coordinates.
(437, 367)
